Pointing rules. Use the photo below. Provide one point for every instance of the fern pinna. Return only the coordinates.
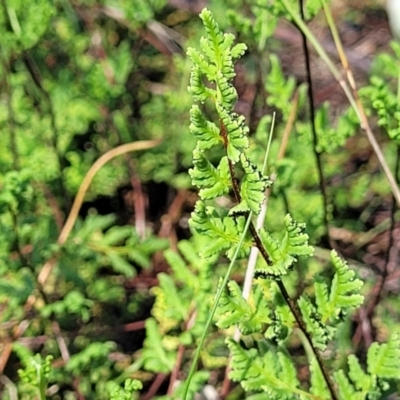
(270, 318)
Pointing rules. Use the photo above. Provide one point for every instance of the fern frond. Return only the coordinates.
(344, 293)
(318, 384)
(236, 132)
(217, 64)
(282, 319)
(181, 272)
(383, 359)
(320, 332)
(382, 362)
(206, 132)
(218, 45)
(362, 381)
(197, 88)
(215, 38)
(213, 182)
(238, 50)
(209, 70)
(252, 188)
(272, 373)
(225, 231)
(233, 309)
(169, 309)
(282, 322)
(226, 93)
(279, 88)
(346, 389)
(155, 357)
(284, 252)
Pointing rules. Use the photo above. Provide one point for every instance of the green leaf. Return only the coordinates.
(207, 133)
(213, 182)
(344, 293)
(225, 232)
(282, 318)
(283, 253)
(362, 380)
(238, 50)
(93, 353)
(234, 128)
(318, 384)
(383, 359)
(171, 307)
(182, 273)
(125, 393)
(116, 234)
(346, 389)
(320, 332)
(279, 88)
(154, 356)
(250, 315)
(215, 37)
(200, 61)
(272, 373)
(252, 188)
(120, 265)
(226, 93)
(197, 88)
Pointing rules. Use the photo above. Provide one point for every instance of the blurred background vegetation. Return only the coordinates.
(80, 77)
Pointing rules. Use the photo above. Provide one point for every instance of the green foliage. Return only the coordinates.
(122, 309)
(126, 393)
(119, 246)
(155, 357)
(250, 316)
(385, 103)
(283, 252)
(225, 231)
(271, 372)
(36, 372)
(174, 307)
(382, 364)
(343, 294)
(279, 88)
(263, 369)
(333, 304)
(26, 23)
(213, 181)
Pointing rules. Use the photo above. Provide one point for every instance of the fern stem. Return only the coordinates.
(294, 310)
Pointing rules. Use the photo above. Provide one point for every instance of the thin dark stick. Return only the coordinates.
(378, 288)
(317, 153)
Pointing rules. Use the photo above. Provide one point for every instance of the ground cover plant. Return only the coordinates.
(237, 239)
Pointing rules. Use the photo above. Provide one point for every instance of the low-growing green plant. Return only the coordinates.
(271, 320)
(253, 291)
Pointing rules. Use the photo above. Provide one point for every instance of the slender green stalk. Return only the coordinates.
(214, 308)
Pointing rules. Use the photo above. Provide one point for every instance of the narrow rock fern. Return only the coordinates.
(271, 322)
